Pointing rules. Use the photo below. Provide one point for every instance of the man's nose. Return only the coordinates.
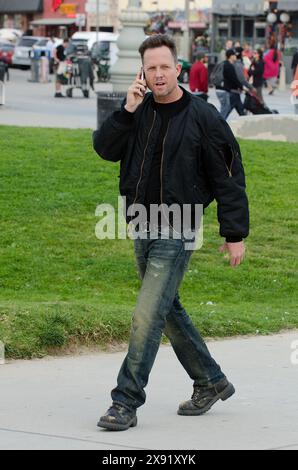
(159, 72)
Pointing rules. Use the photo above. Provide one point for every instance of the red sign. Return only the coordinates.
(56, 4)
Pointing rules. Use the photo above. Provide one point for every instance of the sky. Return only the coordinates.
(167, 4)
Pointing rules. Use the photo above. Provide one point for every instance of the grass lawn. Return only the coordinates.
(61, 286)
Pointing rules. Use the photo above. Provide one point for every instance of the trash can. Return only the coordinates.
(107, 103)
(35, 68)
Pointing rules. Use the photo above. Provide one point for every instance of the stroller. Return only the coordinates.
(79, 72)
(253, 104)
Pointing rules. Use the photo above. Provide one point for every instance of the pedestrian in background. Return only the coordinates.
(222, 55)
(256, 71)
(271, 69)
(232, 86)
(59, 58)
(50, 47)
(198, 77)
(239, 67)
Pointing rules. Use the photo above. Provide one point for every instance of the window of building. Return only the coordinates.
(248, 28)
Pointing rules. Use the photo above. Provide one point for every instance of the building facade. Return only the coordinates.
(257, 22)
(58, 18)
(108, 15)
(19, 14)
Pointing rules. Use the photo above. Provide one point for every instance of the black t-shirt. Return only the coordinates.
(166, 112)
(60, 52)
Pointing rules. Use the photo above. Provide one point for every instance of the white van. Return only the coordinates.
(108, 42)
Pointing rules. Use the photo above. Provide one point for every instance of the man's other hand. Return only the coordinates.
(235, 252)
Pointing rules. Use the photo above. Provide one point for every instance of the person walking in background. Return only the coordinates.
(232, 86)
(271, 68)
(198, 77)
(50, 47)
(174, 148)
(239, 67)
(256, 71)
(222, 55)
(247, 57)
(59, 59)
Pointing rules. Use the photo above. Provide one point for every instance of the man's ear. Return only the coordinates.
(178, 69)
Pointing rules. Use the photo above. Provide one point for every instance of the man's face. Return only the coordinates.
(161, 73)
(229, 45)
(233, 58)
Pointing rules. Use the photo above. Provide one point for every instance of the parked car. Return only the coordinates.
(6, 53)
(22, 52)
(10, 34)
(184, 75)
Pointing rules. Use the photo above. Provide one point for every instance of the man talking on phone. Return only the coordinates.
(174, 148)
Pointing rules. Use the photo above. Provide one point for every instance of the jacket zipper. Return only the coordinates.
(161, 168)
(142, 166)
(232, 161)
(161, 163)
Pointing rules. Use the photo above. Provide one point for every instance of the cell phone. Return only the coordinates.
(142, 74)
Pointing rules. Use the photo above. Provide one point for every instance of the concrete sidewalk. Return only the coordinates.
(54, 403)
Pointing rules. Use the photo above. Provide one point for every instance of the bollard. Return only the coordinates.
(34, 70)
(107, 103)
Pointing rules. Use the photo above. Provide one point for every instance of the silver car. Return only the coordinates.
(21, 57)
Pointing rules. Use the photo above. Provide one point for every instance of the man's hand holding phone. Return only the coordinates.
(136, 92)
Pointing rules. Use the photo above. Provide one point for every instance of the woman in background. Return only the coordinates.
(256, 71)
(271, 70)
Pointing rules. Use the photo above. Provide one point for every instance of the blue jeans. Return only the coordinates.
(161, 264)
(224, 99)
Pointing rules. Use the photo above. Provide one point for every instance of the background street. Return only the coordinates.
(33, 104)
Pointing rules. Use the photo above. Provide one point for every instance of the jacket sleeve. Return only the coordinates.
(111, 140)
(224, 170)
(241, 77)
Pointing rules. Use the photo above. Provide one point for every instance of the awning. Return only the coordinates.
(238, 7)
(17, 6)
(53, 22)
(288, 5)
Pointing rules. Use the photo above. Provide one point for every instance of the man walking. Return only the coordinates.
(174, 148)
(198, 77)
(232, 85)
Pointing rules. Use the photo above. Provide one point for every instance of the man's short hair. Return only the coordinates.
(201, 55)
(230, 52)
(159, 40)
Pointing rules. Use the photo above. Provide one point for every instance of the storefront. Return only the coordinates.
(19, 14)
(59, 18)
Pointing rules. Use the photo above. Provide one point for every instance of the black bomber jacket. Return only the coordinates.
(201, 160)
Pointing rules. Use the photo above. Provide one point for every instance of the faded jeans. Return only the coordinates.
(224, 100)
(161, 265)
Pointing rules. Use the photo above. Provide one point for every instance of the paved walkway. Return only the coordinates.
(54, 403)
(33, 104)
